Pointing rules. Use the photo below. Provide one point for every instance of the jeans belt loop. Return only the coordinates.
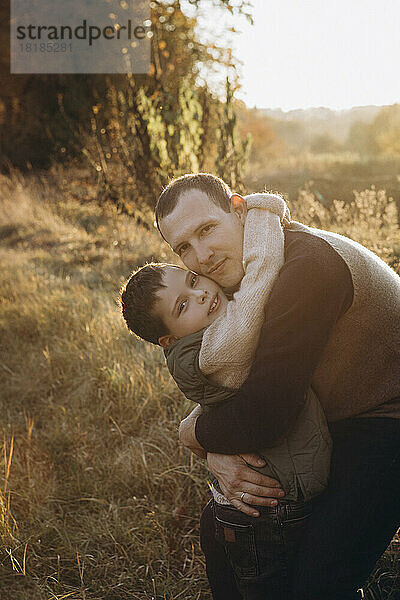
(283, 510)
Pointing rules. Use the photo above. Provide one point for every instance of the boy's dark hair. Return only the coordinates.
(137, 301)
(215, 188)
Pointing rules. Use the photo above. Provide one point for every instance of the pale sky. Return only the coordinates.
(302, 53)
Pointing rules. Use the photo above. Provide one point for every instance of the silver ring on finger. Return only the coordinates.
(242, 496)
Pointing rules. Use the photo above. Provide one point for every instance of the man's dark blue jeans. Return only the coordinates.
(258, 550)
(352, 522)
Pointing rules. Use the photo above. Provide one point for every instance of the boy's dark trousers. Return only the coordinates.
(254, 554)
(352, 522)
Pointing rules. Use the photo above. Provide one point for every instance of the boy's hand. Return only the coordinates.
(241, 485)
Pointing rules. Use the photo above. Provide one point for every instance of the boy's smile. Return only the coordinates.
(187, 303)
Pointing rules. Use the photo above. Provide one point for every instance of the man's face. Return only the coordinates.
(187, 303)
(207, 239)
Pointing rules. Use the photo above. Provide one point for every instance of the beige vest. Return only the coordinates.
(359, 370)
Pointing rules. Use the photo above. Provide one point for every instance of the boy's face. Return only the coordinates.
(208, 239)
(188, 303)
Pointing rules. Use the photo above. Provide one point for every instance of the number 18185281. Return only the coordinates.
(45, 47)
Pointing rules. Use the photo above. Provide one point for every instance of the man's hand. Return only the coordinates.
(187, 435)
(233, 473)
(235, 477)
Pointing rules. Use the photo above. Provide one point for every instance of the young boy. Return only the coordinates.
(209, 343)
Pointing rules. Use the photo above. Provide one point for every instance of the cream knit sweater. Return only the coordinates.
(230, 342)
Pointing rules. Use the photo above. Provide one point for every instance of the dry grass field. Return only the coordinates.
(97, 499)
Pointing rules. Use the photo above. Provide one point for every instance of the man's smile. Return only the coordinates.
(218, 267)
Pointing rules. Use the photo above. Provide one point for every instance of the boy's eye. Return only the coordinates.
(182, 306)
(193, 280)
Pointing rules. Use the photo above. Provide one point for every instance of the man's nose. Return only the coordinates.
(204, 255)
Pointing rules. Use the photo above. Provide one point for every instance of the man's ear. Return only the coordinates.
(167, 340)
(239, 206)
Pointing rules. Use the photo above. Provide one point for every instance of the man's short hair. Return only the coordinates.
(215, 188)
(138, 297)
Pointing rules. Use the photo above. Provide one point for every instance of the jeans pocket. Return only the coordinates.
(239, 542)
(296, 521)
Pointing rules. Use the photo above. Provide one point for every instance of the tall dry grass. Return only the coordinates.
(371, 219)
(103, 502)
(97, 499)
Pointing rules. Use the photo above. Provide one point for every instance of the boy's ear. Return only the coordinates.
(239, 206)
(167, 340)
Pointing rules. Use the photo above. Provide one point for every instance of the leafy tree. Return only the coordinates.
(361, 139)
(265, 144)
(386, 130)
(382, 136)
(232, 151)
(136, 151)
(43, 115)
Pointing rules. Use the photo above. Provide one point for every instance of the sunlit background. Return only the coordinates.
(300, 54)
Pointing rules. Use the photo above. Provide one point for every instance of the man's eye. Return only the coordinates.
(182, 306)
(193, 280)
(207, 229)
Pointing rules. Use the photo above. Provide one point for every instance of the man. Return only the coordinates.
(332, 321)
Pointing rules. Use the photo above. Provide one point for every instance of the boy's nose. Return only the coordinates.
(201, 295)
